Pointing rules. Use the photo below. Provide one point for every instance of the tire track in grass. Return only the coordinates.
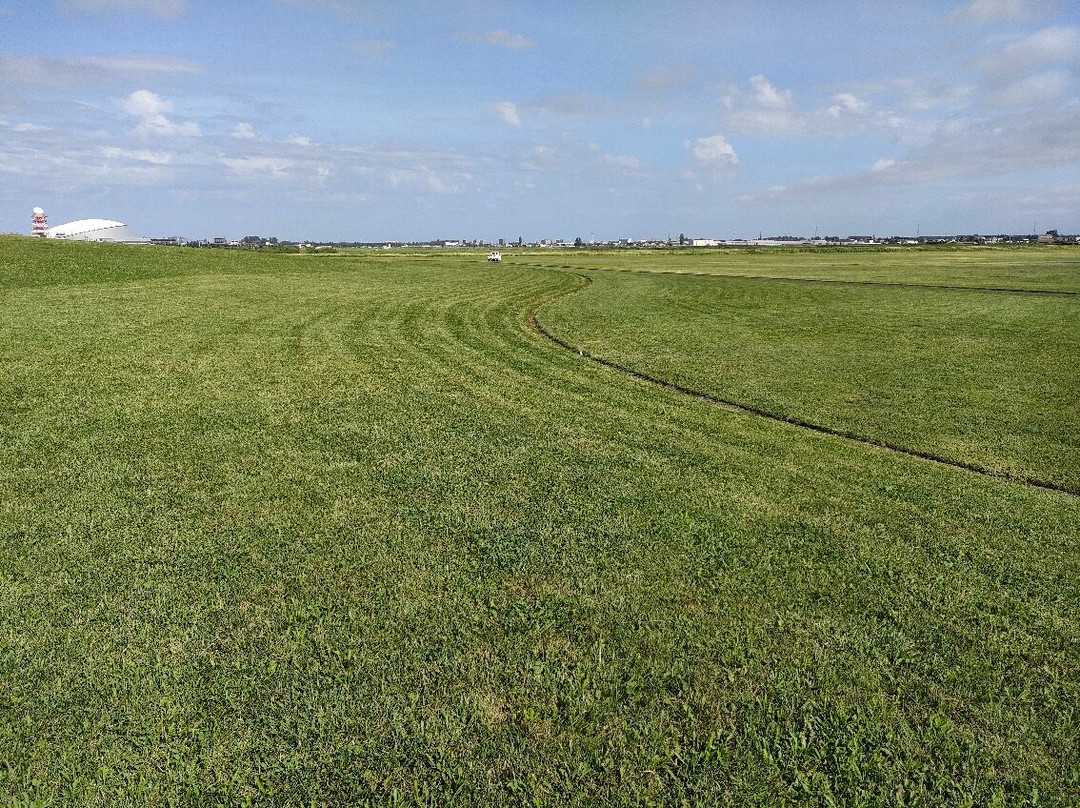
(735, 406)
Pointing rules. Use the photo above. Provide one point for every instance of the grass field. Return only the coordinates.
(347, 529)
(1045, 268)
(984, 379)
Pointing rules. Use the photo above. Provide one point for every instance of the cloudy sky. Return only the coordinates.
(340, 120)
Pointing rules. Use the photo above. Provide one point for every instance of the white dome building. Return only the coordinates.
(95, 230)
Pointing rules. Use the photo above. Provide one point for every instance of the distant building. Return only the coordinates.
(95, 230)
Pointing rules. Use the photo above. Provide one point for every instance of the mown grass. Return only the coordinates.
(287, 530)
(1052, 268)
(983, 379)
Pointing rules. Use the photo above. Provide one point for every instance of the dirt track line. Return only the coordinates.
(746, 409)
(1001, 290)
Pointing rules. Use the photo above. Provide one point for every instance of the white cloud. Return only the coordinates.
(97, 159)
(848, 103)
(769, 123)
(981, 12)
(622, 162)
(160, 125)
(556, 163)
(425, 179)
(1057, 45)
(767, 112)
(142, 155)
(508, 111)
(401, 168)
(138, 64)
(499, 39)
(966, 149)
(713, 151)
(540, 158)
(252, 167)
(1031, 70)
(505, 39)
(150, 109)
(913, 94)
(145, 104)
(406, 155)
(58, 164)
(927, 95)
(1060, 200)
(166, 9)
(1041, 88)
(74, 72)
(768, 97)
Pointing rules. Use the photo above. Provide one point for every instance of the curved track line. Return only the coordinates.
(734, 406)
(1001, 290)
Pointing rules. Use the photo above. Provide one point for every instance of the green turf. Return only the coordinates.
(289, 530)
(1053, 268)
(983, 379)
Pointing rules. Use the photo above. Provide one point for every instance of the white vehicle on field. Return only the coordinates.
(495, 256)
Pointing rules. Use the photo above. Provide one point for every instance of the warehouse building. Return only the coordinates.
(84, 230)
(95, 230)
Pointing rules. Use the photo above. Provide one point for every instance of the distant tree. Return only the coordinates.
(578, 242)
(520, 241)
(682, 239)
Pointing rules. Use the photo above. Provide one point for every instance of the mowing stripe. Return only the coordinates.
(734, 406)
(1001, 290)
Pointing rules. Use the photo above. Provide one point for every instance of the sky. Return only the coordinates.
(333, 120)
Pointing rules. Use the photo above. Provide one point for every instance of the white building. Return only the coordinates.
(95, 230)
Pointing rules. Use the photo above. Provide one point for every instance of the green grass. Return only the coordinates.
(1049, 268)
(982, 379)
(346, 530)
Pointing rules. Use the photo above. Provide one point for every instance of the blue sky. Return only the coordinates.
(336, 120)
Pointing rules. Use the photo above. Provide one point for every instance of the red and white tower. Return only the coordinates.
(40, 223)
